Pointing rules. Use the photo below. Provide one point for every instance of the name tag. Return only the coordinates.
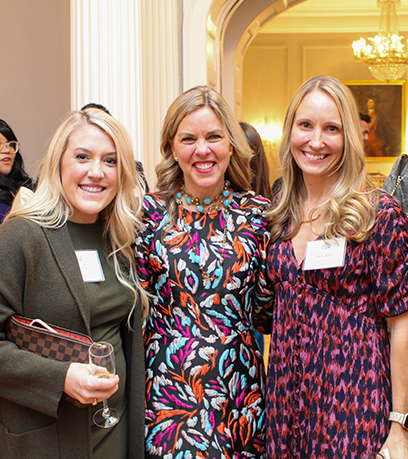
(320, 255)
(90, 265)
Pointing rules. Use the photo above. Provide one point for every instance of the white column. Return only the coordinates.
(161, 85)
(106, 61)
(125, 55)
(195, 65)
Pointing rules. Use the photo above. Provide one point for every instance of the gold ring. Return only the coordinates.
(95, 402)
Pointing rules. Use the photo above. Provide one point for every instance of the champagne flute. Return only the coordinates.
(102, 361)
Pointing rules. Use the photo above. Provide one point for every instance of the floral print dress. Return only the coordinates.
(328, 389)
(205, 374)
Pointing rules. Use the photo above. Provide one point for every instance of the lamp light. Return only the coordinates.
(270, 133)
(385, 54)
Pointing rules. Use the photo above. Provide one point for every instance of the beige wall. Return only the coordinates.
(35, 71)
(276, 64)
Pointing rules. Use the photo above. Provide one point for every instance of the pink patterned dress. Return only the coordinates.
(328, 382)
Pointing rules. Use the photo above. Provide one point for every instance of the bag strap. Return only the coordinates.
(401, 173)
(43, 324)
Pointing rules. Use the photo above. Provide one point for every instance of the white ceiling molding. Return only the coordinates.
(333, 16)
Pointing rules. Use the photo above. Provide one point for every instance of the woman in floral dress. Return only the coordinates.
(338, 367)
(203, 257)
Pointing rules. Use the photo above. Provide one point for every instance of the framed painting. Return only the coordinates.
(385, 104)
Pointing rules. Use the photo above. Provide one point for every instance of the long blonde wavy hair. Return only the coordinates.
(169, 173)
(51, 208)
(350, 209)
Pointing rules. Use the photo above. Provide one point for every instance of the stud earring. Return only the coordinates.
(230, 152)
(175, 159)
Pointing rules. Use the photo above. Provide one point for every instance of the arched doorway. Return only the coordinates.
(216, 34)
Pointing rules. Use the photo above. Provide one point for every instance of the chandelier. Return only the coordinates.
(385, 54)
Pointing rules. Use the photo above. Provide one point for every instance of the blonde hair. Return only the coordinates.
(170, 175)
(51, 208)
(350, 211)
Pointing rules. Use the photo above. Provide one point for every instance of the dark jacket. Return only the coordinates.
(40, 278)
(397, 182)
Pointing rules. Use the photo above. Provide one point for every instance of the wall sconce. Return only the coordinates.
(270, 133)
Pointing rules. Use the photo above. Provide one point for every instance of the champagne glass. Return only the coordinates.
(102, 361)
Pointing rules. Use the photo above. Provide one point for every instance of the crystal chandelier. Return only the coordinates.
(385, 54)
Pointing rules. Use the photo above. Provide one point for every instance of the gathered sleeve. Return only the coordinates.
(148, 249)
(263, 296)
(388, 256)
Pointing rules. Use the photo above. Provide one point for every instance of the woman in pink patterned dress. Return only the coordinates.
(338, 262)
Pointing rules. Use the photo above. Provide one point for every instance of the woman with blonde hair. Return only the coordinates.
(338, 263)
(202, 256)
(88, 199)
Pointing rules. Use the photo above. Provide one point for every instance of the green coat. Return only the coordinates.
(40, 278)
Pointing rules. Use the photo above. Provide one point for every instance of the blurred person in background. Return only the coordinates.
(12, 174)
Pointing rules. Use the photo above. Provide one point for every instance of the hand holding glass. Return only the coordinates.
(102, 361)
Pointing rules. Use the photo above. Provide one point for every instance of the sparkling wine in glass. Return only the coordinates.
(102, 361)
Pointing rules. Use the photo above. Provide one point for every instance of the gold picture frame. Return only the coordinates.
(385, 102)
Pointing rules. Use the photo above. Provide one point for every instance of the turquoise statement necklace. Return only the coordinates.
(216, 201)
(214, 204)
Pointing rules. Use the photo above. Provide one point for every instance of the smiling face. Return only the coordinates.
(202, 149)
(6, 159)
(317, 138)
(89, 173)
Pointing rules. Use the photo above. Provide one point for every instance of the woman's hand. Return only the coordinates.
(397, 442)
(81, 385)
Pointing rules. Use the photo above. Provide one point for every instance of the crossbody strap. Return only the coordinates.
(402, 170)
(399, 180)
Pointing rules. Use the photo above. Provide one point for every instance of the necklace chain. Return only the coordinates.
(312, 220)
(216, 202)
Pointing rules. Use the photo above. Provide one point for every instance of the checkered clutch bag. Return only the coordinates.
(47, 340)
(50, 342)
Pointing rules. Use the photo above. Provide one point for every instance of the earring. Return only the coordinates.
(230, 152)
(176, 159)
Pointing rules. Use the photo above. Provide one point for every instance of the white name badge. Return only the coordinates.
(320, 255)
(90, 265)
